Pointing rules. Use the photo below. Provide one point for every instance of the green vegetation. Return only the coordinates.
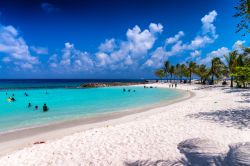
(243, 13)
(160, 73)
(236, 67)
(216, 69)
(202, 71)
(191, 69)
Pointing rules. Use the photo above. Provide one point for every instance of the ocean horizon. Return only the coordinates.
(55, 83)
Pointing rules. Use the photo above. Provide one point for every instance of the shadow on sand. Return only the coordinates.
(157, 163)
(233, 90)
(238, 118)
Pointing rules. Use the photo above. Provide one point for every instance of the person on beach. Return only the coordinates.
(172, 85)
(36, 107)
(169, 85)
(45, 108)
(175, 85)
(29, 105)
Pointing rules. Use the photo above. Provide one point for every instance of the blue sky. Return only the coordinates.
(113, 38)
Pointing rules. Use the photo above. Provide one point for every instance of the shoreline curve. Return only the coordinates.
(19, 139)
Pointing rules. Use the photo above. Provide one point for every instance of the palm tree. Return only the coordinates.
(177, 71)
(171, 71)
(160, 73)
(232, 61)
(242, 69)
(191, 69)
(216, 69)
(246, 54)
(202, 72)
(166, 67)
(183, 71)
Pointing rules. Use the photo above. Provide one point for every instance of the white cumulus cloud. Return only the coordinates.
(108, 46)
(130, 51)
(71, 59)
(174, 39)
(177, 46)
(195, 53)
(14, 48)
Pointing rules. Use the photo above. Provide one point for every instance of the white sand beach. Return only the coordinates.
(216, 113)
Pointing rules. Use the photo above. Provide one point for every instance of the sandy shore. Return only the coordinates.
(18, 139)
(216, 113)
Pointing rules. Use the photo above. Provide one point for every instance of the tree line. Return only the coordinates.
(236, 67)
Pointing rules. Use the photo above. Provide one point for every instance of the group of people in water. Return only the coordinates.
(45, 107)
(149, 87)
(12, 99)
(128, 90)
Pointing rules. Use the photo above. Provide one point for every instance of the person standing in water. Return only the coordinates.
(36, 107)
(29, 105)
(45, 108)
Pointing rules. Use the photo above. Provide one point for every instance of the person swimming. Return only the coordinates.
(124, 90)
(134, 91)
(45, 108)
(29, 105)
(129, 90)
(12, 99)
(13, 94)
(26, 94)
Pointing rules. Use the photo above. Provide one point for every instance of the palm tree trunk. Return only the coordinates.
(212, 79)
(232, 82)
(190, 76)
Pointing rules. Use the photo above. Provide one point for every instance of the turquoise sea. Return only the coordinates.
(73, 103)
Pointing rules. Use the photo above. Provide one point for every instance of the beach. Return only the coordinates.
(216, 113)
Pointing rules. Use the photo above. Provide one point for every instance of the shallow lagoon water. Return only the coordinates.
(65, 104)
